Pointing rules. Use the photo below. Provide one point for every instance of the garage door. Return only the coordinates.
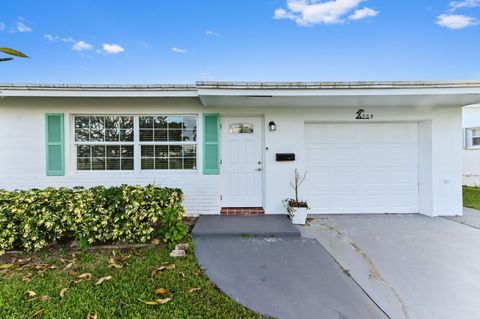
(362, 168)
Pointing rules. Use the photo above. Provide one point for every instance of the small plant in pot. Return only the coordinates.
(297, 209)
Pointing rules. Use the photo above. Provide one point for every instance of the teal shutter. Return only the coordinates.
(211, 144)
(54, 137)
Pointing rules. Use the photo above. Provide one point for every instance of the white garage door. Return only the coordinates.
(362, 168)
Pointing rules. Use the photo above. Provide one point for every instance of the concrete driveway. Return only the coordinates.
(411, 266)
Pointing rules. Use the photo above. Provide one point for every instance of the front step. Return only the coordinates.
(246, 211)
(244, 226)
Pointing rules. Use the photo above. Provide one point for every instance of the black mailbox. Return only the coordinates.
(285, 157)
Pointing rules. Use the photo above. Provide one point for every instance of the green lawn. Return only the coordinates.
(471, 197)
(121, 297)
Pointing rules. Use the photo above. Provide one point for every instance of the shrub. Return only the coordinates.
(32, 219)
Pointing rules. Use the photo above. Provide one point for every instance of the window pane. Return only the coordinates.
(146, 135)
(98, 163)
(83, 151)
(147, 150)
(476, 141)
(127, 164)
(83, 164)
(161, 163)
(190, 122)
(175, 151)
(146, 121)
(97, 135)
(127, 150)
(112, 135)
(113, 164)
(126, 135)
(189, 151)
(174, 135)
(161, 122)
(161, 151)
(113, 151)
(126, 122)
(176, 163)
(148, 163)
(98, 151)
(189, 163)
(81, 121)
(81, 135)
(476, 133)
(160, 135)
(112, 122)
(241, 128)
(189, 136)
(97, 122)
(175, 122)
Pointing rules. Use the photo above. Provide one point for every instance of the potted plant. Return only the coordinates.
(297, 209)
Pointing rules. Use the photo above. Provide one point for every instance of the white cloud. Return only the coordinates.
(22, 26)
(2, 26)
(455, 21)
(56, 38)
(211, 33)
(363, 13)
(82, 46)
(310, 12)
(178, 50)
(112, 48)
(455, 5)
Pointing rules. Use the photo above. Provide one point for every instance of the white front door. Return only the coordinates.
(241, 162)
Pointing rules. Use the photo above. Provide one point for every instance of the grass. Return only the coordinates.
(471, 197)
(120, 297)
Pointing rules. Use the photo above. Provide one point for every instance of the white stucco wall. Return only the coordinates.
(22, 145)
(471, 156)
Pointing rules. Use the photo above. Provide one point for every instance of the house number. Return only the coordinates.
(362, 116)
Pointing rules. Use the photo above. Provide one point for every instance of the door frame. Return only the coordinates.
(262, 152)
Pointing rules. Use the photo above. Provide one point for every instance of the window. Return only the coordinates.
(104, 143)
(168, 142)
(241, 128)
(476, 137)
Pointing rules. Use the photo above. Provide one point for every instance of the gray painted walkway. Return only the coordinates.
(256, 226)
(471, 217)
(284, 277)
(412, 266)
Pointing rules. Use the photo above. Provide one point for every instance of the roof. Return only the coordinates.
(243, 85)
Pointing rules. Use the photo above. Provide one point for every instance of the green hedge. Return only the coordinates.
(32, 219)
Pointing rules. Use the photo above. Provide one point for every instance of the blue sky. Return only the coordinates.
(181, 41)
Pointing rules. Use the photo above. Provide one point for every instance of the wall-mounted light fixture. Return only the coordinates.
(272, 126)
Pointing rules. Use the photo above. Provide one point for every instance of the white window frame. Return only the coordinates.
(470, 134)
(181, 143)
(136, 145)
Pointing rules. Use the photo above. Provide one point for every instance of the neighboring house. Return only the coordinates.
(367, 147)
(471, 145)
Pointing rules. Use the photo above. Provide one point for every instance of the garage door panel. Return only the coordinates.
(362, 168)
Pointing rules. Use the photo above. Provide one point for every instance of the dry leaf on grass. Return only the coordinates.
(6, 266)
(68, 266)
(90, 316)
(27, 277)
(112, 264)
(156, 302)
(85, 276)
(37, 313)
(125, 258)
(72, 272)
(194, 290)
(164, 266)
(155, 241)
(44, 298)
(101, 280)
(30, 293)
(62, 292)
(161, 291)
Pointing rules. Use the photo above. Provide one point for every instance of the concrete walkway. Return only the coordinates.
(279, 276)
(471, 217)
(412, 266)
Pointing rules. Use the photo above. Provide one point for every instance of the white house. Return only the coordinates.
(471, 145)
(367, 147)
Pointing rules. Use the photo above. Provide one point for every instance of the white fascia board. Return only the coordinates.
(98, 93)
(338, 92)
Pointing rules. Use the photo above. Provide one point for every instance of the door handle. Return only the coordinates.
(258, 169)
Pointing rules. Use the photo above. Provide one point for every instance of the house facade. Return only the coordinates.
(365, 147)
(471, 145)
